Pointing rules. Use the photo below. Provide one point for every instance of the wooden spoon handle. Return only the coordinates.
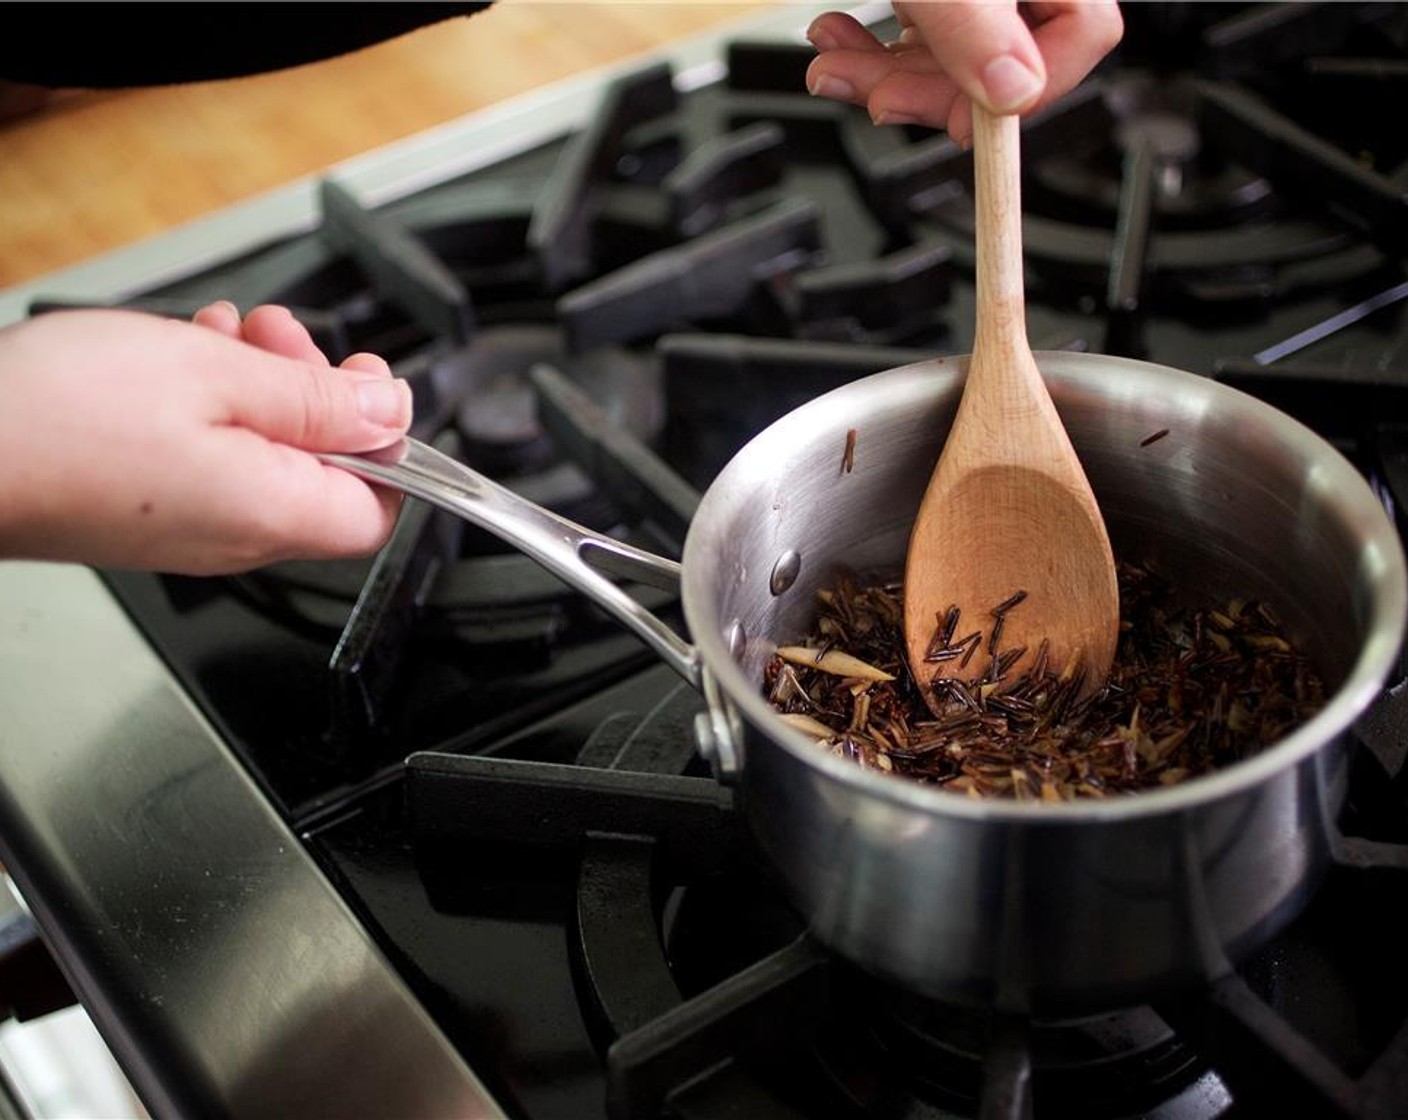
(1000, 278)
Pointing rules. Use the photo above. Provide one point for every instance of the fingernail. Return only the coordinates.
(385, 401)
(821, 39)
(226, 306)
(884, 117)
(827, 85)
(1009, 84)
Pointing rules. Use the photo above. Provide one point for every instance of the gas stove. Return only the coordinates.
(428, 834)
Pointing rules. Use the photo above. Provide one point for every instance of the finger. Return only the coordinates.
(904, 97)
(838, 36)
(986, 48)
(305, 508)
(960, 121)
(363, 362)
(377, 366)
(1073, 38)
(316, 408)
(827, 77)
(222, 316)
(274, 328)
(342, 516)
(866, 69)
(899, 85)
(838, 31)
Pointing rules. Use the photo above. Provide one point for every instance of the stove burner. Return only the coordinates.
(1120, 1065)
(1195, 189)
(1171, 137)
(702, 991)
(496, 405)
(864, 1048)
(1157, 116)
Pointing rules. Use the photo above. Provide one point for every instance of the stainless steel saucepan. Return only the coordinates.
(1029, 906)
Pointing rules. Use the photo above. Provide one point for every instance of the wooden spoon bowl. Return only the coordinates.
(1009, 534)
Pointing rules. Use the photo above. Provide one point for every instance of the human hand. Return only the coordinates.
(135, 441)
(1010, 57)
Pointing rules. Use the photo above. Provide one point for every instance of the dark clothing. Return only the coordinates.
(107, 46)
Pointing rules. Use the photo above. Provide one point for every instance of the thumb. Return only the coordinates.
(986, 48)
(316, 408)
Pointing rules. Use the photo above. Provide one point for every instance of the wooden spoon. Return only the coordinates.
(1009, 513)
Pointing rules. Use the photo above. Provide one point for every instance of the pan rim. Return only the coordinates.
(1388, 609)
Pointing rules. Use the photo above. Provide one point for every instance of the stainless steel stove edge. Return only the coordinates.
(222, 968)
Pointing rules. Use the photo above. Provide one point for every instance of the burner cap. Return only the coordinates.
(497, 407)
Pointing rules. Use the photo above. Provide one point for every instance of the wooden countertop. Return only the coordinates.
(84, 172)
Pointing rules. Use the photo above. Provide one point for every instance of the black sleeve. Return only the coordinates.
(112, 45)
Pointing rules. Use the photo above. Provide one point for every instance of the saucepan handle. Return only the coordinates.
(582, 558)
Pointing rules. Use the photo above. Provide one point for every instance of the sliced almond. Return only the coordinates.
(833, 661)
(808, 725)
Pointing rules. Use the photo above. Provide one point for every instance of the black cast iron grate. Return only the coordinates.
(704, 994)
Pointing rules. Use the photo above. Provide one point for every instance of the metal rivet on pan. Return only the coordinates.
(735, 639)
(784, 572)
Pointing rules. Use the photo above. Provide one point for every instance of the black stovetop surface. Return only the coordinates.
(1226, 195)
